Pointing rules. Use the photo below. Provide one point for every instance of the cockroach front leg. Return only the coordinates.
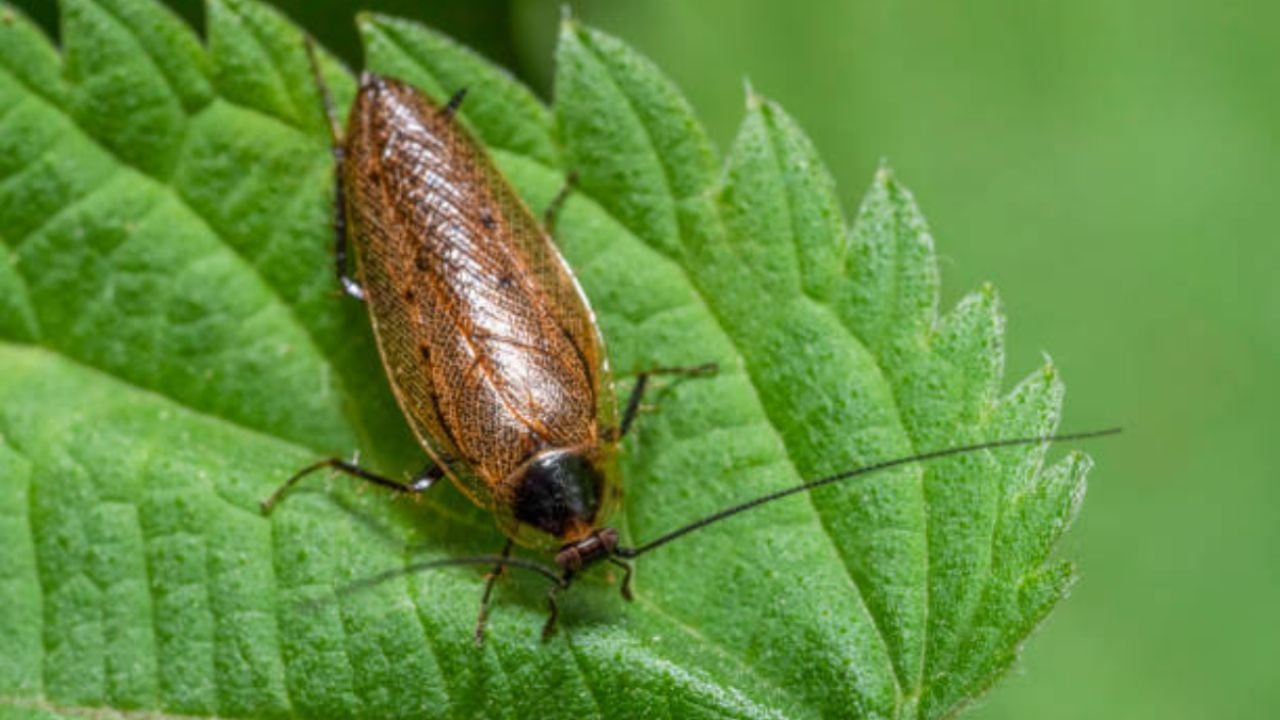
(626, 578)
(491, 579)
(553, 613)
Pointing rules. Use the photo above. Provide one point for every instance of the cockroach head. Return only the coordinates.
(575, 556)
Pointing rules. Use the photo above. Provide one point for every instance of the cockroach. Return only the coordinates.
(489, 343)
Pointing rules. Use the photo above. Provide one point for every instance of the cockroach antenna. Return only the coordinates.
(634, 552)
(609, 549)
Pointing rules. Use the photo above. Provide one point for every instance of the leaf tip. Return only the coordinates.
(572, 32)
(1048, 371)
(366, 20)
(753, 98)
(988, 292)
(990, 298)
(1050, 377)
(567, 22)
(886, 181)
(1079, 463)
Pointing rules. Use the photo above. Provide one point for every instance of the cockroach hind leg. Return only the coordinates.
(455, 101)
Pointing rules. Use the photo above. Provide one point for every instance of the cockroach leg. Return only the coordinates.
(348, 284)
(455, 101)
(553, 208)
(491, 579)
(642, 384)
(326, 98)
(553, 611)
(626, 578)
(424, 479)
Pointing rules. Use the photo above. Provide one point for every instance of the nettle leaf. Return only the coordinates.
(172, 346)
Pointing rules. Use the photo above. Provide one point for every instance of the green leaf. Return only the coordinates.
(171, 347)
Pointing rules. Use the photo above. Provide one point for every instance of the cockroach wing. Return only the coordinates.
(575, 318)
(565, 298)
(490, 347)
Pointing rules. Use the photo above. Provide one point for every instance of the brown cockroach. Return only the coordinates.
(490, 345)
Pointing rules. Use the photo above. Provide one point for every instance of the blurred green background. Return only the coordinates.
(1112, 168)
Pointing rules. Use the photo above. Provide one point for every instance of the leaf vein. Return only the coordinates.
(716, 647)
(151, 58)
(41, 580)
(584, 676)
(428, 638)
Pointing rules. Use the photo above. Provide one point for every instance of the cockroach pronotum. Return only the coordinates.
(490, 346)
